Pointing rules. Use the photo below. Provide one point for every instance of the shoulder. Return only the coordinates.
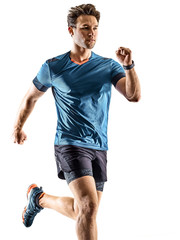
(58, 58)
(97, 56)
(108, 60)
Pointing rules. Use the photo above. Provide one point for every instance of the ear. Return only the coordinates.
(70, 29)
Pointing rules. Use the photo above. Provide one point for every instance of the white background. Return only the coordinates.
(141, 200)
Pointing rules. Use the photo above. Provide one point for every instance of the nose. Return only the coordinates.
(91, 32)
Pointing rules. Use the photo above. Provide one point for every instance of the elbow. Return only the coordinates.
(135, 98)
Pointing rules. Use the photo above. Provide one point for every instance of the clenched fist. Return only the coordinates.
(19, 137)
(124, 56)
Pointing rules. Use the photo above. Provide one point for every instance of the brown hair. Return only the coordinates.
(84, 9)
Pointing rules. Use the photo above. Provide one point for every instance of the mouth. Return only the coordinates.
(90, 43)
(91, 40)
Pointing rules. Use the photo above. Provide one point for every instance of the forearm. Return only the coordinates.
(25, 110)
(132, 86)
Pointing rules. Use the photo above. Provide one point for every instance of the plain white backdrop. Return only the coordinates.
(141, 200)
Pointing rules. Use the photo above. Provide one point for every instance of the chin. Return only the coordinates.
(90, 46)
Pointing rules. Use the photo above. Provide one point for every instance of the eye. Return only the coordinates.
(86, 28)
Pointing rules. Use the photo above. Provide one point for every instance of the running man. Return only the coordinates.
(81, 84)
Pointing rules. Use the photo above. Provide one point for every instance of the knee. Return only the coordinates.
(88, 208)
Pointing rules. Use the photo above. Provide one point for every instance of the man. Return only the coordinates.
(81, 83)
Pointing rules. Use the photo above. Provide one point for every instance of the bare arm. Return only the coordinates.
(25, 110)
(129, 86)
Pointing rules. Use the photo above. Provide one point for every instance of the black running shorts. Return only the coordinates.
(70, 158)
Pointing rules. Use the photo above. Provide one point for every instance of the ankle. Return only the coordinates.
(40, 200)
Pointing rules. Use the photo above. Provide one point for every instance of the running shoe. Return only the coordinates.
(32, 208)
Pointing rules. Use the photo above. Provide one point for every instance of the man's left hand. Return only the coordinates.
(124, 55)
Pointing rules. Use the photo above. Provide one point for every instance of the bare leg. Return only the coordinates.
(86, 196)
(64, 205)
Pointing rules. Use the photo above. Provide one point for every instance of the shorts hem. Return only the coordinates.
(78, 173)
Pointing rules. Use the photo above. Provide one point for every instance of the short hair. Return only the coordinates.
(83, 9)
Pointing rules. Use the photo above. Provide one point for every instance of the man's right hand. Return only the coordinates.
(19, 137)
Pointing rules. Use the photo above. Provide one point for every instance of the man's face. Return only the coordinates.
(86, 31)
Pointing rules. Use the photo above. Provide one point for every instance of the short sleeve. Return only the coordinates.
(117, 72)
(43, 79)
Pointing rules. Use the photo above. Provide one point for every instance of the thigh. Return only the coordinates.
(84, 191)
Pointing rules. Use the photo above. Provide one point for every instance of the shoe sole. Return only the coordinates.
(32, 186)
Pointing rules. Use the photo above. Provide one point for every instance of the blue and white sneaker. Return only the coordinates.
(34, 193)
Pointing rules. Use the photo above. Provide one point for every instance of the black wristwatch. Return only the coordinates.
(129, 67)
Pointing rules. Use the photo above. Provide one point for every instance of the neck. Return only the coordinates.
(80, 54)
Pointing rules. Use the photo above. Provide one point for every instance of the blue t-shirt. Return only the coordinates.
(82, 95)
